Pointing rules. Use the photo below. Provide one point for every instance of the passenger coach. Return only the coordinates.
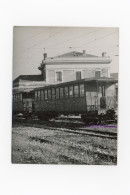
(86, 97)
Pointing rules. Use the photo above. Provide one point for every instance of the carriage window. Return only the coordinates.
(16, 97)
(61, 93)
(66, 92)
(102, 90)
(53, 93)
(35, 95)
(42, 95)
(76, 91)
(49, 94)
(45, 94)
(81, 90)
(57, 93)
(70, 91)
(38, 94)
(21, 97)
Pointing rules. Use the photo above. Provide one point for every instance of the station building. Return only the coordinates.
(63, 68)
(74, 66)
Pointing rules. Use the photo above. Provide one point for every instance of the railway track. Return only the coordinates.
(74, 128)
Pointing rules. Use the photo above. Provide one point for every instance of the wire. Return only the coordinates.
(87, 42)
(97, 39)
(43, 31)
(73, 38)
(40, 42)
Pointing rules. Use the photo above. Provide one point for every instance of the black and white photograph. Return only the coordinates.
(65, 106)
(65, 95)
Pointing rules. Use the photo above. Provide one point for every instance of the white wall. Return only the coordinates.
(69, 71)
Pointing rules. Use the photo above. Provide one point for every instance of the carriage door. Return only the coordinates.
(92, 101)
(101, 97)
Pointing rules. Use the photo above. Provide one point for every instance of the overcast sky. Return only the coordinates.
(29, 44)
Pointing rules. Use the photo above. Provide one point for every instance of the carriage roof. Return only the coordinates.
(106, 81)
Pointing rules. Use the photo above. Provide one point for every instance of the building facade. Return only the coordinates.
(74, 66)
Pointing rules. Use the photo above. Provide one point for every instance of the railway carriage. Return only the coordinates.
(86, 97)
(23, 102)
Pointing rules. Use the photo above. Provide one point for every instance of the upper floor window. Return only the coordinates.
(59, 76)
(104, 73)
(78, 75)
(97, 74)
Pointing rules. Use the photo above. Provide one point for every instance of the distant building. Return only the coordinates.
(28, 82)
(74, 66)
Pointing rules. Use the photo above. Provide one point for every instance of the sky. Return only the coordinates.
(29, 44)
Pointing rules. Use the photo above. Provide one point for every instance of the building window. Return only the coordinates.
(58, 76)
(66, 92)
(81, 90)
(104, 73)
(97, 74)
(76, 90)
(53, 93)
(78, 75)
(70, 91)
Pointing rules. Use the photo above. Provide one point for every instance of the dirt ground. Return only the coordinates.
(32, 145)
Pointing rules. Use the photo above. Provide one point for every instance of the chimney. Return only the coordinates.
(84, 52)
(45, 55)
(104, 54)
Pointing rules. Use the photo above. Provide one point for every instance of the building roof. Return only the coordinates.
(29, 78)
(102, 80)
(75, 57)
(74, 54)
